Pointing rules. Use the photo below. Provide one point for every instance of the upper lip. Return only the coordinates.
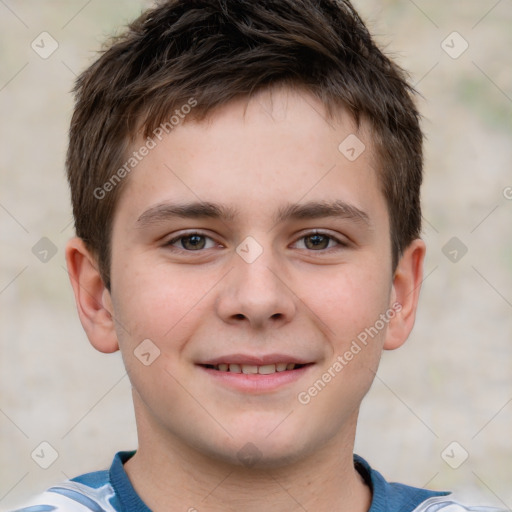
(260, 360)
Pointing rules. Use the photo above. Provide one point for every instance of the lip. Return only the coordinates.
(256, 383)
(260, 360)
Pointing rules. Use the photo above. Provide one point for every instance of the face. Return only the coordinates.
(253, 254)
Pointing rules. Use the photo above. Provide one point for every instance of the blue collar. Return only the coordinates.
(387, 497)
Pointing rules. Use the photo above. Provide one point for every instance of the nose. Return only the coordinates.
(256, 293)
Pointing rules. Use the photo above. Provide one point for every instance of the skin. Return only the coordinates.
(255, 157)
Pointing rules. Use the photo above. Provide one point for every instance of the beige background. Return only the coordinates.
(451, 382)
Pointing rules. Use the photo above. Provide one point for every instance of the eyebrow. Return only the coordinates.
(320, 209)
(201, 210)
(195, 210)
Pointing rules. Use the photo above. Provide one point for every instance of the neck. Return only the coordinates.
(170, 476)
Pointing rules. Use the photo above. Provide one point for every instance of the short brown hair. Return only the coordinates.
(215, 51)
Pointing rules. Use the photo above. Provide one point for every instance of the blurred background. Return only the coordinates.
(439, 414)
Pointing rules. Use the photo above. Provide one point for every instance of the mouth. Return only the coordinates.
(253, 369)
(256, 374)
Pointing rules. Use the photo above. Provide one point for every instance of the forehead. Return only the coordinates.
(277, 147)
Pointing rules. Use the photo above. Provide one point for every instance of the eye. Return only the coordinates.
(318, 242)
(192, 242)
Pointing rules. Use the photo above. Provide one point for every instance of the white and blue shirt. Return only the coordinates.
(112, 491)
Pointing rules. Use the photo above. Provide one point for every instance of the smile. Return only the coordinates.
(251, 369)
(250, 377)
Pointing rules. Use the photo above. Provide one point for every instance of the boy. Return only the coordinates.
(245, 183)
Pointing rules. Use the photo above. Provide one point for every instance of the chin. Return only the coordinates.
(255, 451)
(253, 457)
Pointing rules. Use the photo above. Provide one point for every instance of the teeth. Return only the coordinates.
(267, 369)
(251, 369)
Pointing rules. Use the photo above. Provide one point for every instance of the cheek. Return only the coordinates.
(355, 333)
(160, 304)
(350, 301)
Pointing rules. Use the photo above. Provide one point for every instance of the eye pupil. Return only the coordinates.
(193, 242)
(317, 241)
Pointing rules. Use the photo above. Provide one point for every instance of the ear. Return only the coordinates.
(92, 298)
(405, 294)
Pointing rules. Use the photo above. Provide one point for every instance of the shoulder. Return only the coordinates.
(449, 504)
(396, 497)
(86, 493)
(101, 491)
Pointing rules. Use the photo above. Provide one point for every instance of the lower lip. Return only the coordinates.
(255, 382)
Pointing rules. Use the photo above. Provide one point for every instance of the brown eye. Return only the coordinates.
(193, 242)
(317, 241)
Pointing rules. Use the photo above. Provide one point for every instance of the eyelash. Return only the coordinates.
(339, 242)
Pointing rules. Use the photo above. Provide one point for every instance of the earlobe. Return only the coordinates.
(92, 298)
(405, 294)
